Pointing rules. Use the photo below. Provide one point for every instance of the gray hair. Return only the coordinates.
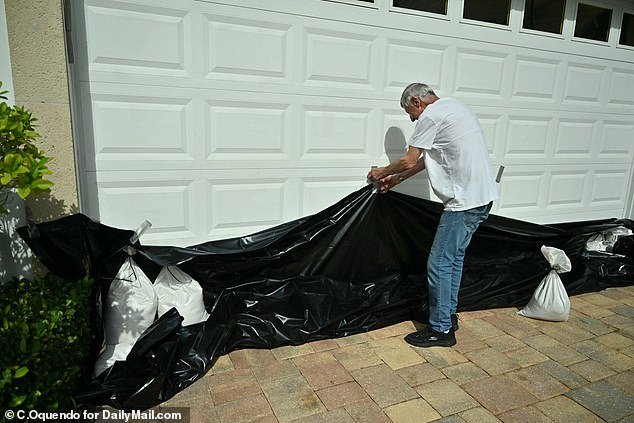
(421, 91)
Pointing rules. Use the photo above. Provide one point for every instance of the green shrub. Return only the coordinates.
(22, 164)
(45, 332)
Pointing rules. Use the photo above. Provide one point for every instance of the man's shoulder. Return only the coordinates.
(449, 100)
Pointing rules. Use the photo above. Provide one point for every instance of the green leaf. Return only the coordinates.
(12, 161)
(6, 376)
(16, 400)
(41, 184)
(20, 372)
(24, 192)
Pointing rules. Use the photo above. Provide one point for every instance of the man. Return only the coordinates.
(447, 141)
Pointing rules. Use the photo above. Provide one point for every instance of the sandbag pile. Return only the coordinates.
(133, 303)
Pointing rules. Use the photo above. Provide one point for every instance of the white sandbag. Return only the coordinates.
(175, 288)
(550, 300)
(605, 240)
(110, 354)
(129, 309)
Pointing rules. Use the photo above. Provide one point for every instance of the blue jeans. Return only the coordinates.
(444, 265)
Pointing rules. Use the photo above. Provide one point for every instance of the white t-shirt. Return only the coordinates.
(456, 156)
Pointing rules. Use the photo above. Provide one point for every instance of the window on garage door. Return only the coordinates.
(544, 15)
(593, 22)
(355, 2)
(627, 30)
(491, 11)
(432, 6)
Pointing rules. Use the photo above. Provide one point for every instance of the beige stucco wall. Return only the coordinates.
(40, 82)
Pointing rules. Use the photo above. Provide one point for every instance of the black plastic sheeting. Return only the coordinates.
(356, 266)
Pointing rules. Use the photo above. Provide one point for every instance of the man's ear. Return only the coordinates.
(416, 102)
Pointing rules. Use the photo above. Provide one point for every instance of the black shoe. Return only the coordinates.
(431, 338)
(454, 322)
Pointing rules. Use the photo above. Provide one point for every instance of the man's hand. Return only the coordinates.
(388, 182)
(377, 173)
(384, 180)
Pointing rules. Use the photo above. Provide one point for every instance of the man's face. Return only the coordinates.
(416, 109)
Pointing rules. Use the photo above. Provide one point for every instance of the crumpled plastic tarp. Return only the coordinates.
(355, 266)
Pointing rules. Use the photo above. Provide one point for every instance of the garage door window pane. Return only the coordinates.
(544, 15)
(593, 22)
(493, 11)
(433, 6)
(627, 30)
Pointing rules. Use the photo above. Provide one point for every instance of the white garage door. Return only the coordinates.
(215, 119)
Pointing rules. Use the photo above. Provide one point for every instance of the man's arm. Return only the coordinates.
(411, 163)
(408, 165)
(420, 165)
